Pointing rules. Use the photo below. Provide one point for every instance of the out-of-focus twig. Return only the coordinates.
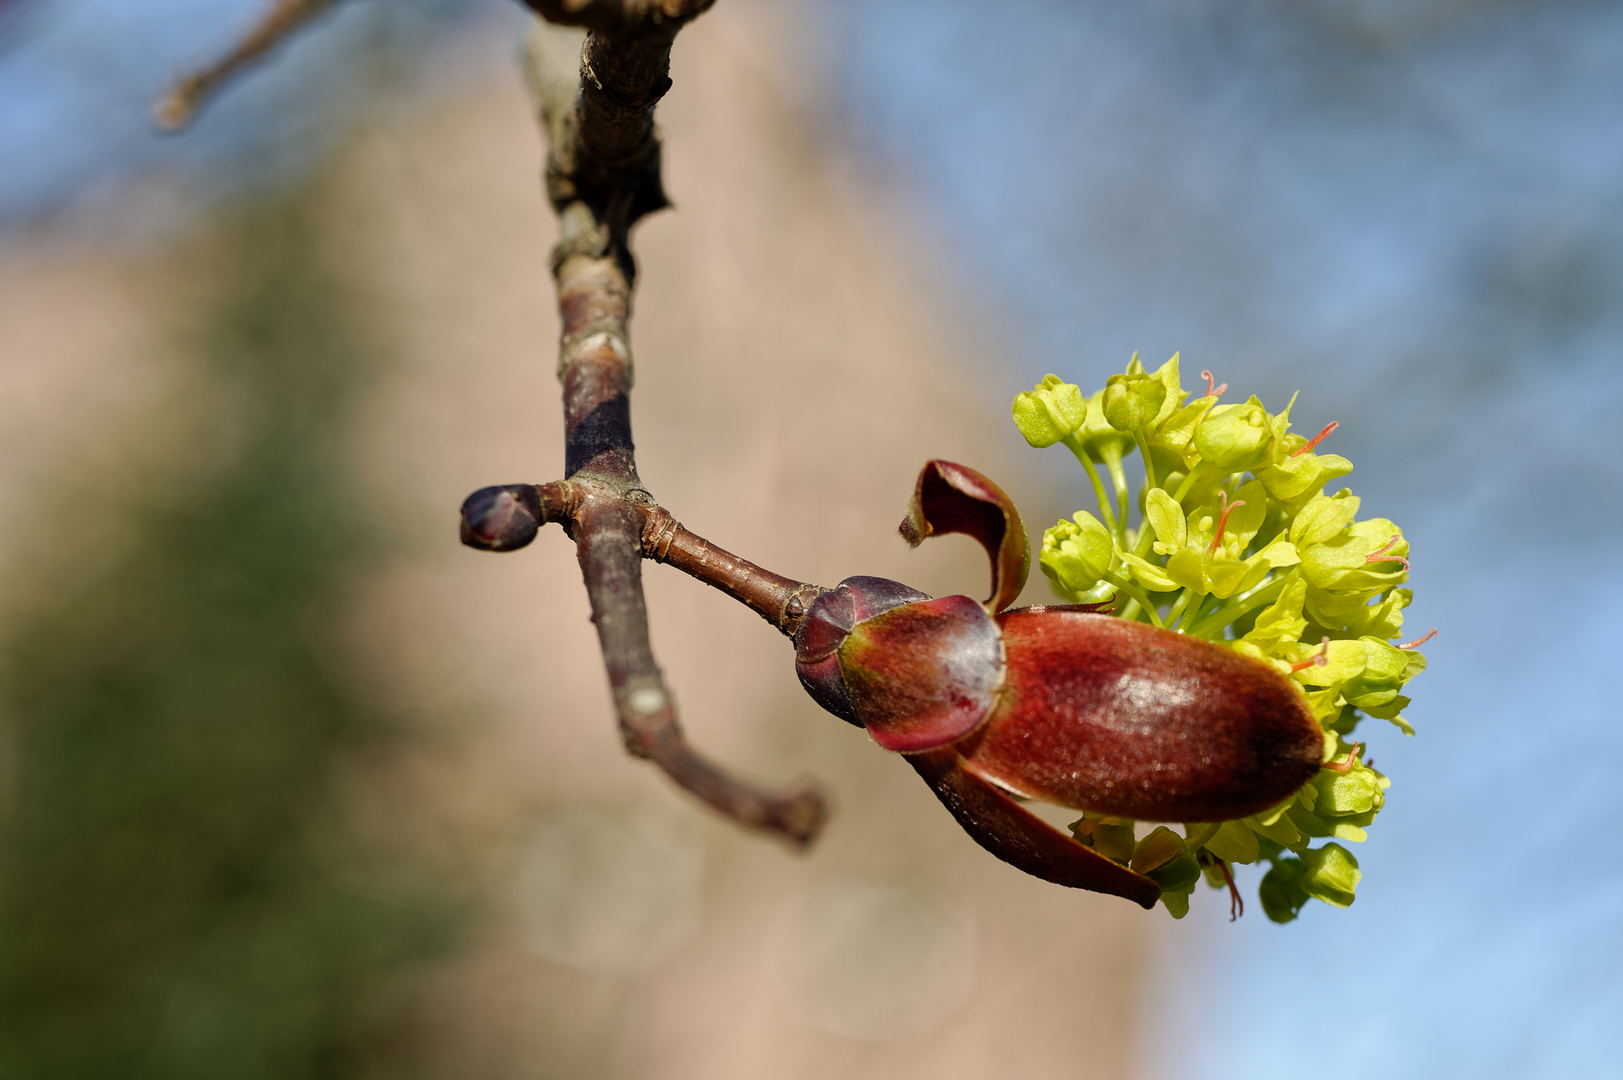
(179, 105)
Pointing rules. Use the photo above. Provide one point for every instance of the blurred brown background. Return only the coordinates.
(555, 909)
(292, 785)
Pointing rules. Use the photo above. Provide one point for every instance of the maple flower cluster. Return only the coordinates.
(1239, 545)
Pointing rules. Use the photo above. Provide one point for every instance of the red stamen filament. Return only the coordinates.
(1236, 901)
(1419, 641)
(1317, 439)
(1223, 520)
(1212, 390)
(1382, 556)
(1345, 766)
(1320, 658)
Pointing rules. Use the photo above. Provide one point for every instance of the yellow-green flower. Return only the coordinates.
(1077, 553)
(1235, 438)
(1050, 412)
(1237, 542)
(1137, 400)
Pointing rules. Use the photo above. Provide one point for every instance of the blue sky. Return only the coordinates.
(1414, 214)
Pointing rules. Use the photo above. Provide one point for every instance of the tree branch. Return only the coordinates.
(175, 109)
(613, 534)
(597, 94)
(507, 517)
(597, 98)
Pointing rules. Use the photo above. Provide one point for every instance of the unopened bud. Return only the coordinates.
(1235, 438)
(1077, 553)
(1330, 874)
(1132, 402)
(1050, 411)
(503, 518)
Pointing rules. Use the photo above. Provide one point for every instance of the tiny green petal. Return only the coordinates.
(1234, 843)
(1279, 829)
(1166, 518)
(1160, 846)
(1110, 838)
(1147, 574)
(1281, 891)
(1342, 661)
(1290, 478)
(1175, 394)
(1197, 834)
(1163, 857)
(1323, 517)
(1177, 903)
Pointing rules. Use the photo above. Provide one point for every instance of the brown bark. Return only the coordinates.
(602, 176)
(175, 110)
(597, 95)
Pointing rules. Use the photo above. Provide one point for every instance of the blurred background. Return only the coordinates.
(292, 785)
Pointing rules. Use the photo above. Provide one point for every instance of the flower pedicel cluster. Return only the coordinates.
(1238, 546)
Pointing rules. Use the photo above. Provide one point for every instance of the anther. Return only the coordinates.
(1317, 439)
(1381, 555)
(1345, 766)
(1419, 641)
(1212, 390)
(1223, 519)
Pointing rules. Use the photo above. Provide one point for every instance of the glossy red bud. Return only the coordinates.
(923, 674)
(1058, 704)
(1102, 714)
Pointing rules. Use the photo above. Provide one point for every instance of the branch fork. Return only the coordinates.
(596, 92)
(614, 529)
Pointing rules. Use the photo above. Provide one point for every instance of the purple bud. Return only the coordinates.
(503, 518)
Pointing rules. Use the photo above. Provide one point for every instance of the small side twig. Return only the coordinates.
(179, 105)
(613, 535)
(596, 96)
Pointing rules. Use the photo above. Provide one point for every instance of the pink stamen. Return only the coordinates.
(1223, 519)
(1382, 556)
(1345, 766)
(1317, 439)
(1318, 659)
(1419, 641)
(1212, 390)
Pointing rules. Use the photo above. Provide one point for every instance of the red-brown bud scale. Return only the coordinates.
(1058, 704)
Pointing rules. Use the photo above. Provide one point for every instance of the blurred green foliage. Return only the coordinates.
(179, 896)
